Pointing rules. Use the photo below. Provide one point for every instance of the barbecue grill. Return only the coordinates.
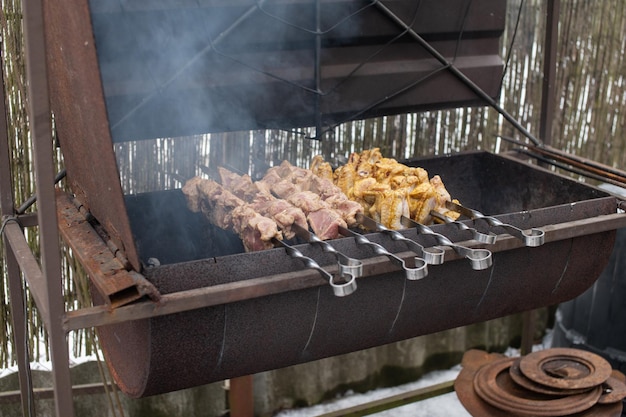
(266, 310)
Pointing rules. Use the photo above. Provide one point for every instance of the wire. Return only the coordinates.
(331, 90)
(510, 51)
(387, 98)
(7, 220)
(311, 31)
(349, 75)
(33, 198)
(461, 30)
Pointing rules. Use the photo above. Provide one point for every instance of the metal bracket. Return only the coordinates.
(107, 266)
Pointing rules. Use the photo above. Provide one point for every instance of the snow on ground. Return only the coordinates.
(47, 365)
(443, 405)
(41, 364)
(440, 406)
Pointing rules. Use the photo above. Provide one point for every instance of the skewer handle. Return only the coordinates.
(479, 258)
(413, 274)
(532, 238)
(347, 265)
(433, 256)
(339, 289)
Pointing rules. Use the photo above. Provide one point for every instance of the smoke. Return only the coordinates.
(170, 70)
(180, 68)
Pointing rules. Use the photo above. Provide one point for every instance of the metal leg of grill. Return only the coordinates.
(241, 396)
(47, 288)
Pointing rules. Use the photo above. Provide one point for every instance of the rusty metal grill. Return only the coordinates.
(258, 311)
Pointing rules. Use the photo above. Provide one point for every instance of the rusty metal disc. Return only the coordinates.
(520, 379)
(473, 360)
(565, 368)
(494, 385)
(613, 389)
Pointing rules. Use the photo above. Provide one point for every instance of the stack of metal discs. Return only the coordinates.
(552, 382)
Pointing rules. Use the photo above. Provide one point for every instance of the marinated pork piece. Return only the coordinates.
(261, 200)
(296, 179)
(240, 185)
(228, 211)
(324, 221)
(320, 216)
(256, 231)
(192, 195)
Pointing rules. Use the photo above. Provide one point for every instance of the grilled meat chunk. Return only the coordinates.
(227, 211)
(387, 190)
(262, 200)
(294, 179)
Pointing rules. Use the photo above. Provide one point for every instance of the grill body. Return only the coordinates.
(271, 332)
(106, 88)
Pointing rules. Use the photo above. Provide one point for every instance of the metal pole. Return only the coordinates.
(545, 127)
(551, 43)
(41, 133)
(16, 293)
(241, 396)
(317, 70)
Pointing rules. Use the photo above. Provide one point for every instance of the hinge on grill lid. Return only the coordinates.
(106, 265)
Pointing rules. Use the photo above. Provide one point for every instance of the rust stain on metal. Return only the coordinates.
(77, 101)
(117, 285)
(485, 388)
(566, 368)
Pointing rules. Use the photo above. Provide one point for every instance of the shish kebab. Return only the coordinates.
(327, 211)
(258, 232)
(390, 191)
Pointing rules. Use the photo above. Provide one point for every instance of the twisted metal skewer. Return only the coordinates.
(347, 265)
(418, 272)
(479, 258)
(432, 256)
(488, 238)
(339, 289)
(532, 238)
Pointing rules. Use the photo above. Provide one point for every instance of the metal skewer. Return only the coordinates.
(347, 265)
(413, 274)
(488, 238)
(479, 258)
(339, 289)
(432, 256)
(533, 237)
